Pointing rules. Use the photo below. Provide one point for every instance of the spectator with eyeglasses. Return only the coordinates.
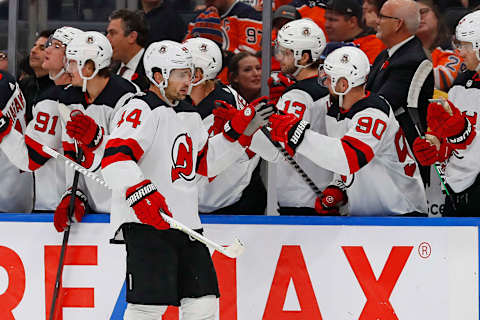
(393, 69)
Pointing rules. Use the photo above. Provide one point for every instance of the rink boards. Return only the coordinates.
(293, 268)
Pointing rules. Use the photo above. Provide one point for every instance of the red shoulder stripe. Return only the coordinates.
(358, 153)
(121, 150)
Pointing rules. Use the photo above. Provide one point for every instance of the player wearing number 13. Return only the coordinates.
(298, 48)
(365, 146)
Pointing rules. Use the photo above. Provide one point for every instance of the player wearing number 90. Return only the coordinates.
(365, 146)
(153, 159)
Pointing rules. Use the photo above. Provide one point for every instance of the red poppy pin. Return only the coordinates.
(385, 64)
(135, 76)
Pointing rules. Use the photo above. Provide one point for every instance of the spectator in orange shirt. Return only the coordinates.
(343, 22)
(436, 40)
(312, 9)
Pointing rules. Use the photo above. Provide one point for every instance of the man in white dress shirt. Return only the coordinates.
(127, 32)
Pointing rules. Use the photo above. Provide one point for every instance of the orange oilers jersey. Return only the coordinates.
(446, 65)
(371, 45)
(241, 28)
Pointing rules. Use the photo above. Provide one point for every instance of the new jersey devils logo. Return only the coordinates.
(182, 158)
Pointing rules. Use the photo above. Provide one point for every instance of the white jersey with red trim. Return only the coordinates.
(17, 186)
(463, 167)
(227, 187)
(25, 151)
(169, 146)
(301, 99)
(367, 147)
(103, 109)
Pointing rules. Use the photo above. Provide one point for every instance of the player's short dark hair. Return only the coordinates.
(45, 33)
(104, 72)
(133, 21)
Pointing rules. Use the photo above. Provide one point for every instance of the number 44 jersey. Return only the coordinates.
(366, 147)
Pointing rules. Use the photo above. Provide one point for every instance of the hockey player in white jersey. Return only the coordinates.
(93, 98)
(17, 186)
(452, 138)
(365, 146)
(153, 160)
(299, 46)
(238, 189)
(25, 151)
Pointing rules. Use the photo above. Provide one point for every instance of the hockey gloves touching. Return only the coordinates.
(5, 125)
(446, 122)
(331, 200)
(85, 130)
(245, 122)
(146, 202)
(288, 129)
(278, 83)
(427, 153)
(60, 218)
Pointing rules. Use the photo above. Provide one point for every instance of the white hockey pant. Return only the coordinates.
(203, 308)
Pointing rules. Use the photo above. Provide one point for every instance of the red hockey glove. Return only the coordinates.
(278, 83)
(85, 130)
(458, 131)
(437, 115)
(146, 202)
(5, 125)
(60, 218)
(248, 120)
(425, 152)
(329, 203)
(207, 25)
(222, 113)
(288, 129)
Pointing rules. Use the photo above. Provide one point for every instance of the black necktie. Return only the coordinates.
(122, 70)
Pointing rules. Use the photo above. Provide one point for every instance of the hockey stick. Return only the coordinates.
(293, 163)
(418, 79)
(233, 251)
(66, 235)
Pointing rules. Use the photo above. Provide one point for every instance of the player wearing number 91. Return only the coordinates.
(24, 149)
(154, 159)
(365, 146)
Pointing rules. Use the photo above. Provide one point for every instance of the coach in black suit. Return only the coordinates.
(394, 67)
(127, 32)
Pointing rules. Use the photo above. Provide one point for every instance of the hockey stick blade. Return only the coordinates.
(416, 85)
(232, 251)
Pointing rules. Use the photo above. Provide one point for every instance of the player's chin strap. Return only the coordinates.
(161, 86)
(58, 75)
(232, 251)
(299, 68)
